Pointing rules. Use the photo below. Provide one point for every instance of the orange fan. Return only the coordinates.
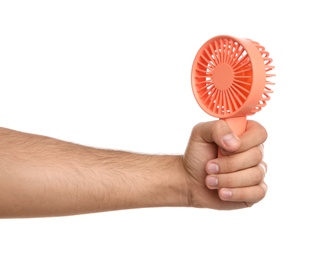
(230, 79)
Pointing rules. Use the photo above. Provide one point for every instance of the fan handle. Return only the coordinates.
(237, 124)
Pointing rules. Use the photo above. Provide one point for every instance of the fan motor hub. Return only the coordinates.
(222, 76)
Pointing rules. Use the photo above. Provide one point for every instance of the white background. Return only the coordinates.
(116, 74)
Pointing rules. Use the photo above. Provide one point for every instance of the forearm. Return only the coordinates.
(42, 176)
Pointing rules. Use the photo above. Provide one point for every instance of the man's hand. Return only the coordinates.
(233, 181)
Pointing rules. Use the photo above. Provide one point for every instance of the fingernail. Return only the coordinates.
(212, 168)
(211, 181)
(225, 194)
(230, 140)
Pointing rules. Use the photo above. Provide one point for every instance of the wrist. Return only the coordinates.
(170, 189)
(181, 182)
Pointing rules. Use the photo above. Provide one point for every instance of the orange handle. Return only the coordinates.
(237, 124)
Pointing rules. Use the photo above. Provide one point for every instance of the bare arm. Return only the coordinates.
(42, 176)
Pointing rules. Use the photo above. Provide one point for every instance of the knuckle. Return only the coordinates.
(262, 132)
(263, 195)
(263, 191)
(196, 128)
(258, 154)
(259, 174)
(196, 132)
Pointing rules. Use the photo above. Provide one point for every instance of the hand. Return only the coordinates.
(233, 181)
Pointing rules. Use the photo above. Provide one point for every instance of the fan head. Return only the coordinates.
(229, 77)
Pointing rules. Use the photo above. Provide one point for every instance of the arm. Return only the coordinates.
(42, 176)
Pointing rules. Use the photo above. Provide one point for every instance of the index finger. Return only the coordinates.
(254, 135)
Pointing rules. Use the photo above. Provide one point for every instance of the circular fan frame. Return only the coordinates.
(229, 77)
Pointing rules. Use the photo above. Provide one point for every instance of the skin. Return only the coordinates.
(43, 177)
(233, 181)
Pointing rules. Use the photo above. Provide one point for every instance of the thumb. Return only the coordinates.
(219, 132)
(230, 142)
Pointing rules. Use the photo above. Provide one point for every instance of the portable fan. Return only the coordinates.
(230, 79)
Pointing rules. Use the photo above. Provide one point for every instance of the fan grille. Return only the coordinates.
(223, 76)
